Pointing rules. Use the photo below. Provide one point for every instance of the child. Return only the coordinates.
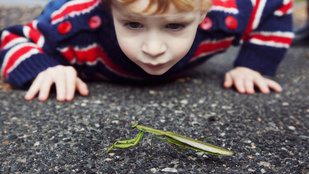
(136, 40)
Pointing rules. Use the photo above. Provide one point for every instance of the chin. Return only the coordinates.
(156, 73)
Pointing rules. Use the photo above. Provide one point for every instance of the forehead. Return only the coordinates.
(154, 7)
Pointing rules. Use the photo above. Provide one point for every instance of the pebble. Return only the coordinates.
(12, 137)
(292, 128)
(264, 163)
(108, 159)
(251, 170)
(303, 137)
(115, 121)
(184, 101)
(153, 170)
(172, 170)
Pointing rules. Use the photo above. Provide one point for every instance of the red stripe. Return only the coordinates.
(210, 47)
(74, 8)
(16, 56)
(225, 3)
(68, 54)
(250, 26)
(91, 55)
(34, 33)
(278, 39)
(7, 39)
(285, 8)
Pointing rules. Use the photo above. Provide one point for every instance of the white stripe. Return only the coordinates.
(15, 49)
(269, 43)
(65, 49)
(224, 9)
(258, 14)
(290, 11)
(215, 51)
(14, 41)
(26, 31)
(71, 3)
(207, 54)
(35, 24)
(72, 14)
(276, 33)
(253, 2)
(4, 34)
(22, 58)
(41, 42)
(285, 2)
(278, 13)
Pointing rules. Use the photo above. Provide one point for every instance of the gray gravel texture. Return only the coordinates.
(268, 133)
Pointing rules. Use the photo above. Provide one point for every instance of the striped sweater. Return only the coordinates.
(80, 33)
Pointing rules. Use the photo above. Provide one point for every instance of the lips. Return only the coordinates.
(154, 66)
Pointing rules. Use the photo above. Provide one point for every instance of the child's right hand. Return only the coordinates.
(66, 81)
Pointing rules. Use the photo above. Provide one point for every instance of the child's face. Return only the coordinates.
(155, 42)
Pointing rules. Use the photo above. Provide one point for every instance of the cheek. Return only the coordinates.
(128, 48)
(127, 44)
(181, 47)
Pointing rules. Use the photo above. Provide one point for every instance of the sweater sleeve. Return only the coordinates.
(27, 50)
(268, 36)
(22, 54)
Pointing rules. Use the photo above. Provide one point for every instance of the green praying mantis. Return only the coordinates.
(172, 139)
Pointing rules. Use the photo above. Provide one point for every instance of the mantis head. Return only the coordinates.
(134, 125)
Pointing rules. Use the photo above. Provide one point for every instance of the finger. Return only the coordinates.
(34, 88)
(71, 76)
(249, 86)
(274, 85)
(60, 82)
(45, 88)
(228, 82)
(239, 84)
(82, 87)
(262, 85)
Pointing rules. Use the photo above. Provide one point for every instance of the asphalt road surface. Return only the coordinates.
(268, 133)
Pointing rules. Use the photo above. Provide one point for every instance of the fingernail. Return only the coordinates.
(60, 97)
(69, 97)
(42, 97)
(27, 96)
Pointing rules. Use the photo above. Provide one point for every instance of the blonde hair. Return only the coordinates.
(163, 5)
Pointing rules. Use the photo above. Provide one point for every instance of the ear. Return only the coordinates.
(206, 6)
(203, 15)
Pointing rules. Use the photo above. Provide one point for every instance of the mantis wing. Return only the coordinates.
(197, 145)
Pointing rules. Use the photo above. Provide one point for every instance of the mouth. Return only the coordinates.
(154, 66)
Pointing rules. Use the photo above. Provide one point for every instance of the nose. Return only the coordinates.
(154, 46)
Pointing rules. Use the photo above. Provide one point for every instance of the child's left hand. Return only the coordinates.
(244, 79)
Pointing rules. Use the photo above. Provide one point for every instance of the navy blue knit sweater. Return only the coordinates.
(80, 33)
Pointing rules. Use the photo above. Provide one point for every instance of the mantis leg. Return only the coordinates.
(127, 143)
(158, 139)
(175, 149)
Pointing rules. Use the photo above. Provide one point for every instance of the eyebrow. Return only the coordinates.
(137, 17)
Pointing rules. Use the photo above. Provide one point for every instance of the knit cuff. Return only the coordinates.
(260, 58)
(29, 69)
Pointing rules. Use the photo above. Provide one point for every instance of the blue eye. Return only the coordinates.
(134, 25)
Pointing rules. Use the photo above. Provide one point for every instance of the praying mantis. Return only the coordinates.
(172, 139)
